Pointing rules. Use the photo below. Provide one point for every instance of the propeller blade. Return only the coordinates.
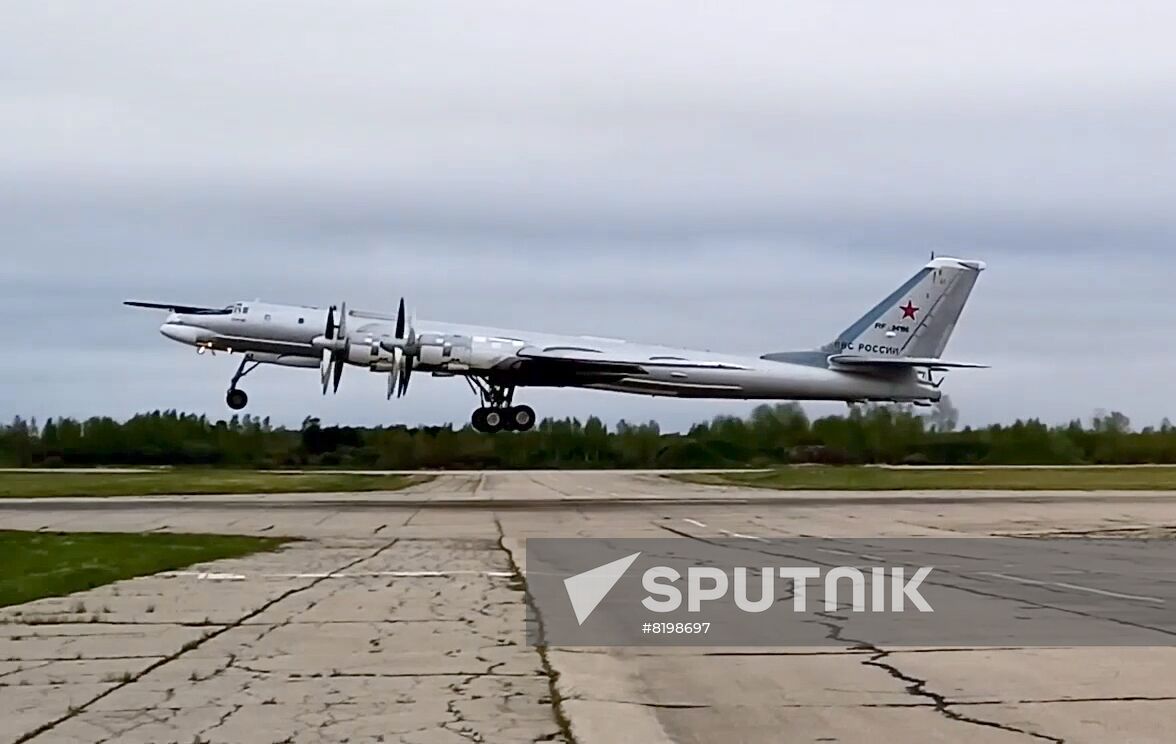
(400, 321)
(325, 368)
(341, 350)
(404, 378)
(394, 375)
(330, 332)
(338, 371)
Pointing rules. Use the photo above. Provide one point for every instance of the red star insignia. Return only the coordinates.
(909, 311)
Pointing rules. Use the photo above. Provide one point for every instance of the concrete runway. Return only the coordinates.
(401, 619)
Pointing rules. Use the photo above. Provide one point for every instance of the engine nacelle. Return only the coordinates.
(446, 351)
(371, 354)
(455, 352)
(437, 351)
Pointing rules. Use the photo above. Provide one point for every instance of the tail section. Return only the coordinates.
(917, 319)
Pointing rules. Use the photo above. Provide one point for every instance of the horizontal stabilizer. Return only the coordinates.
(854, 361)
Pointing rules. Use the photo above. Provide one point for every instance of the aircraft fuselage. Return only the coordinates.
(889, 354)
(273, 333)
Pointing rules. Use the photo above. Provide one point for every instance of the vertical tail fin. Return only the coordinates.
(917, 319)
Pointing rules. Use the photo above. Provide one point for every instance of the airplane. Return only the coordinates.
(890, 354)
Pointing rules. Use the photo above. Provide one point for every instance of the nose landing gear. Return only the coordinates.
(236, 398)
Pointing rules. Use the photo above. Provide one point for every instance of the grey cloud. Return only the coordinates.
(745, 179)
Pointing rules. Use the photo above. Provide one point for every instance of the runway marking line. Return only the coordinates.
(1074, 587)
(203, 575)
(1105, 593)
(836, 551)
(741, 536)
(694, 522)
(208, 576)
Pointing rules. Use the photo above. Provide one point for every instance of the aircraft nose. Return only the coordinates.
(174, 330)
(185, 334)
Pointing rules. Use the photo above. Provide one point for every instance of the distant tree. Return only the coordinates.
(772, 434)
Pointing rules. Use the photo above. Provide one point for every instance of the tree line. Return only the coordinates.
(771, 435)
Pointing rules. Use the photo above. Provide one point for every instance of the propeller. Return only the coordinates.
(335, 346)
(405, 349)
(328, 337)
(411, 349)
(341, 354)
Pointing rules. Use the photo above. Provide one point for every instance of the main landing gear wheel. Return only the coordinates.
(488, 420)
(237, 399)
(521, 418)
(494, 419)
(497, 413)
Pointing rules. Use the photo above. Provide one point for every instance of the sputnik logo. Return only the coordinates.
(588, 589)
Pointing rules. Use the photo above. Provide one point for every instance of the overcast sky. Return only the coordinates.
(746, 177)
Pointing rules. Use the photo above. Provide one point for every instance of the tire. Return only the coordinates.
(522, 418)
(236, 399)
(478, 420)
(494, 420)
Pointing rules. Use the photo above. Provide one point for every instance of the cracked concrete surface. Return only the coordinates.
(401, 619)
(311, 643)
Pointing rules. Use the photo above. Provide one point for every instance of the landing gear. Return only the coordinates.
(488, 420)
(236, 398)
(521, 418)
(514, 418)
(497, 413)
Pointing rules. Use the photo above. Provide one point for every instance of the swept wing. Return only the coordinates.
(182, 309)
(593, 359)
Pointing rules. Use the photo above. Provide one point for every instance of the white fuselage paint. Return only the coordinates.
(284, 335)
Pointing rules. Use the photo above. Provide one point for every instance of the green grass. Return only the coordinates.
(48, 564)
(16, 484)
(902, 479)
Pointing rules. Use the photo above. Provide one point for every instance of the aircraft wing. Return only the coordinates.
(182, 309)
(588, 358)
(851, 362)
